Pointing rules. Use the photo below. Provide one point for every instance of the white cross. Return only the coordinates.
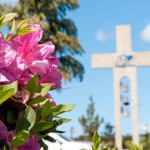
(124, 64)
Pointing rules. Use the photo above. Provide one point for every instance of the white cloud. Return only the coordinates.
(145, 34)
(101, 35)
(9, 2)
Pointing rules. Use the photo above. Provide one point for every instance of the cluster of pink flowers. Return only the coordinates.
(22, 57)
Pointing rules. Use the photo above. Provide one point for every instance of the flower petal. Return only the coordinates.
(7, 54)
(3, 130)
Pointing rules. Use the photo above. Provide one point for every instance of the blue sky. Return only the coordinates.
(96, 21)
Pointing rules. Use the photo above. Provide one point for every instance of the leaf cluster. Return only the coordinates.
(35, 116)
(21, 29)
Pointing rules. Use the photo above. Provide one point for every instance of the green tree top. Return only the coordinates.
(51, 15)
(90, 122)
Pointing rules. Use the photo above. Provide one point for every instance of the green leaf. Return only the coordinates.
(97, 143)
(22, 25)
(20, 138)
(105, 148)
(93, 148)
(41, 126)
(26, 31)
(49, 138)
(46, 110)
(34, 101)
(11, 117)
(4, 95)
(12, 27)
(5, 147)
(45, 89)
(26, 120)
(61, 121)
(32, 85)
(96, 137)
(38, 113)
(13, 85)
(5, 18)
(59, 109)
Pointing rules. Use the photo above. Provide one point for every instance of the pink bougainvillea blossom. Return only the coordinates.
(48, 96)
(7, 53)
(3, 131)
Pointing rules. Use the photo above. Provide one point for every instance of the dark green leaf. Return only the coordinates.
(11, 117)
(26, 120)
(20, 138)
(49, 138)
(43, 145)
(41, 126)
(46, 110)
(38, 113)
(32, 85)
(5, 147)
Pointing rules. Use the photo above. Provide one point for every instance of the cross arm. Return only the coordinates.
(103, 60)
(141, 59)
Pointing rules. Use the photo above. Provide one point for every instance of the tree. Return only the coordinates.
(51, 15)
(90, 122)
(109, 129)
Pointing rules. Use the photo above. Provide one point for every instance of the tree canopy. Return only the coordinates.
(90, 122)
(51, 15)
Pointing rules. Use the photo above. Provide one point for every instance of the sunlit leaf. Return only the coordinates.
(59, 109)
(4, 95)
(20, 138)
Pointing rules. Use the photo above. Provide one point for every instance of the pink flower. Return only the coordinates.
(23, 57)
(13, 71)
(7, 53)
(9, 136)
(26, 42)
(3, 131)
(38, 57)
(52, 77)
(48, 96)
